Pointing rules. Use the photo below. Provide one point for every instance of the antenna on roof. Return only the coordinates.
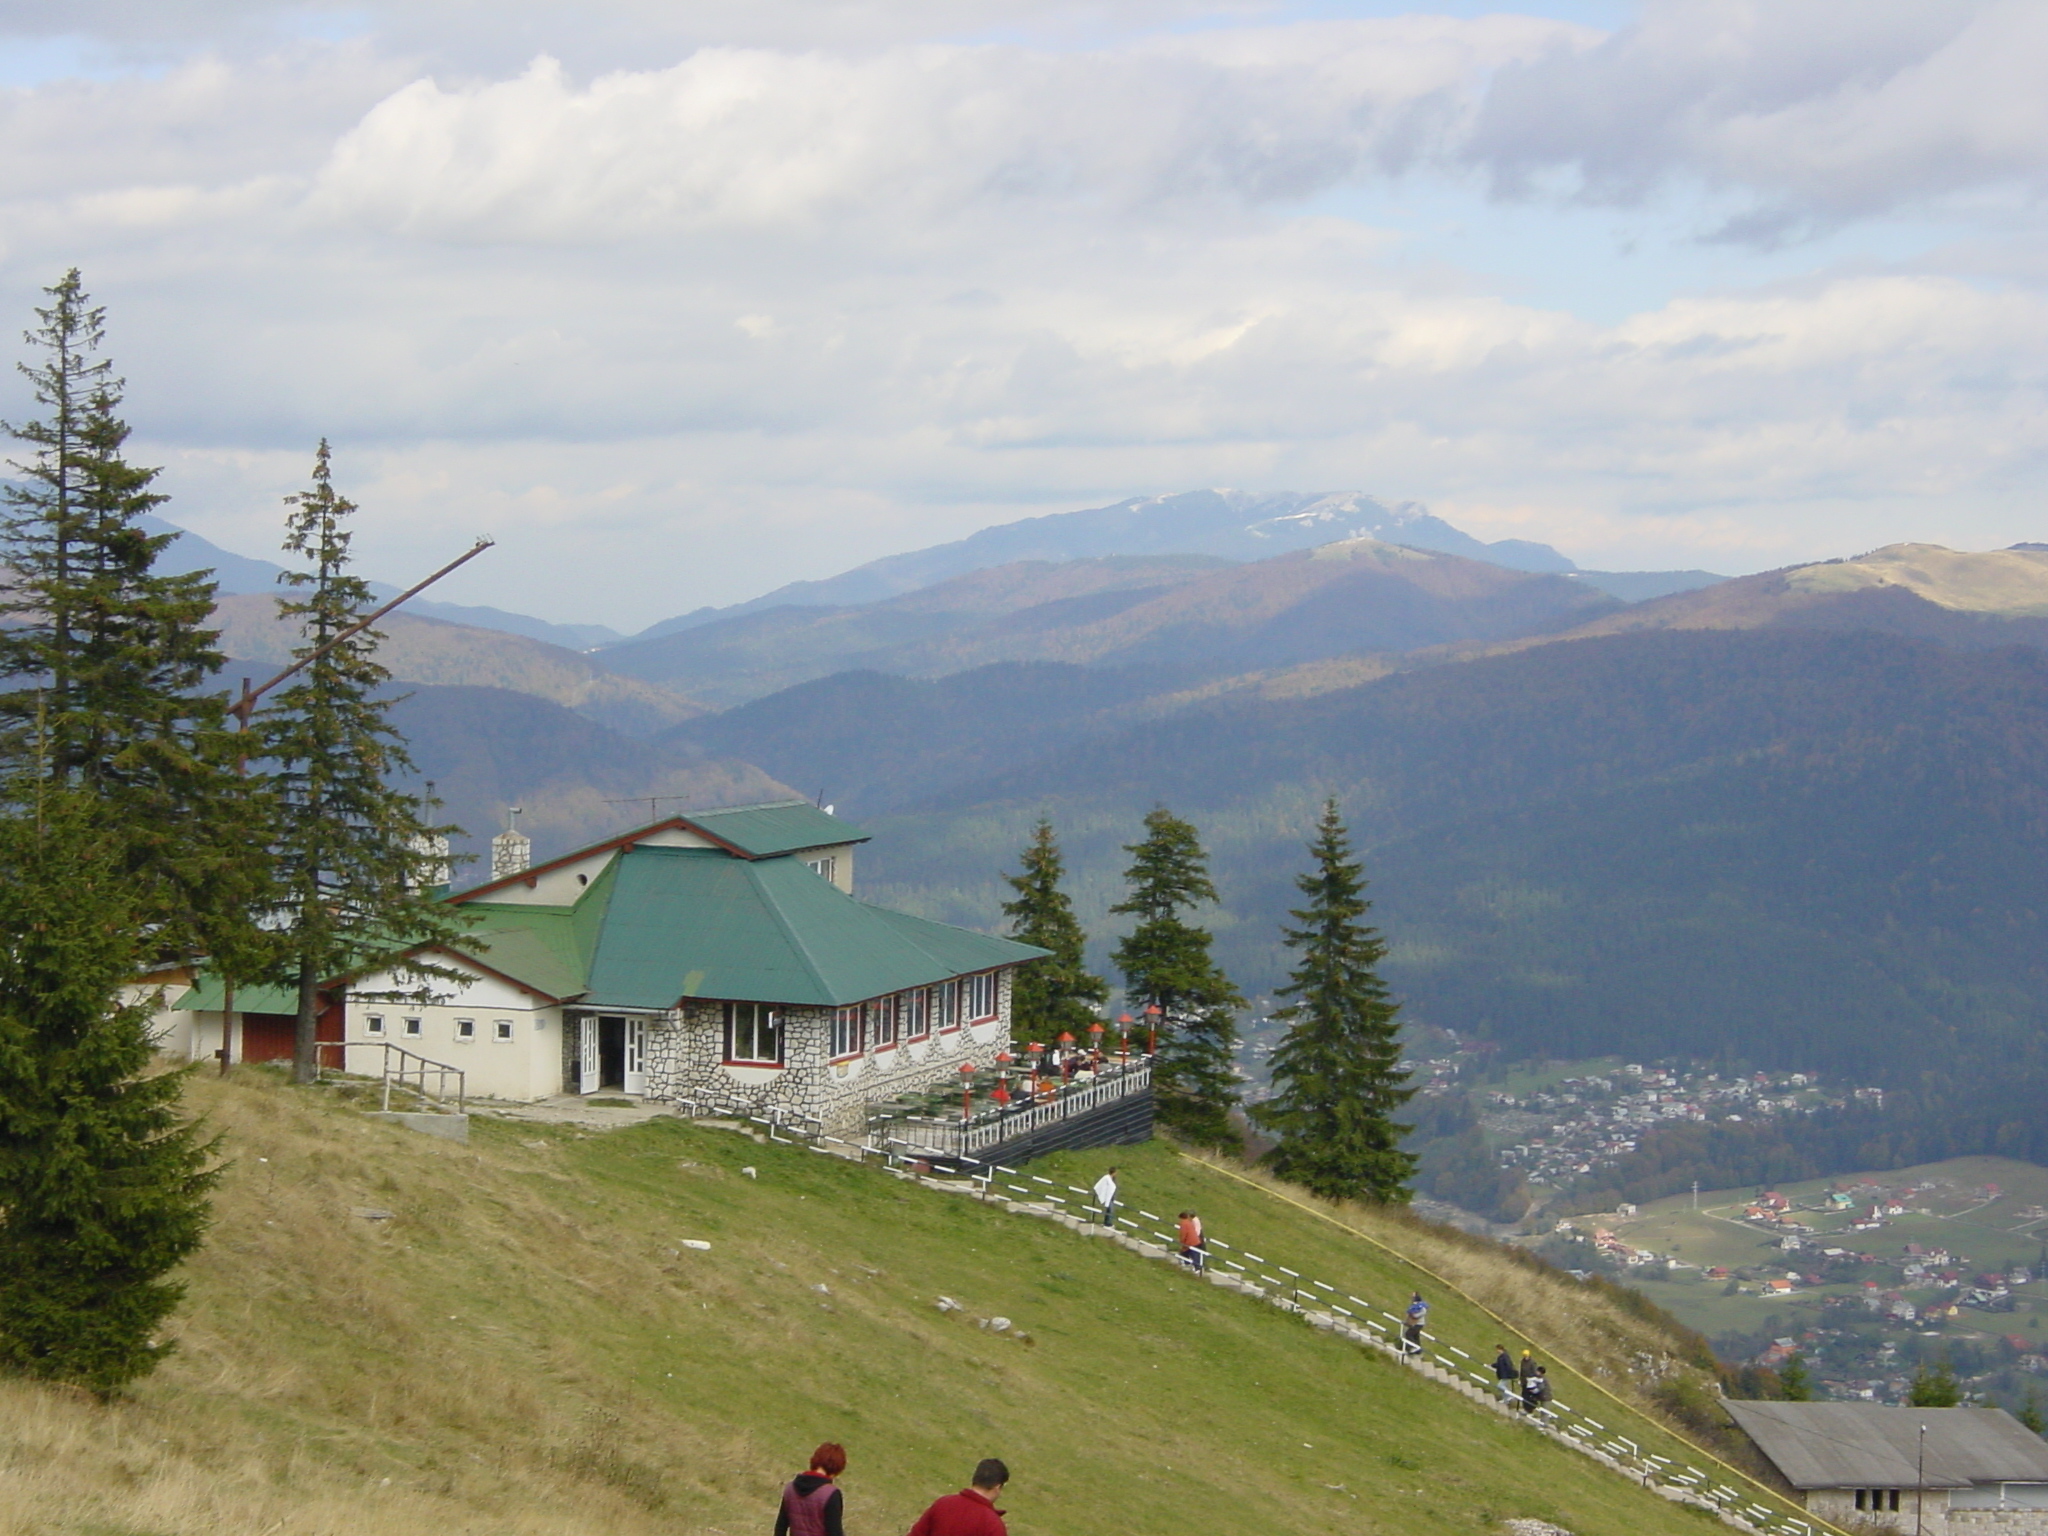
(652, 801)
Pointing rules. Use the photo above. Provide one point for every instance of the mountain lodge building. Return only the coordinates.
(716, 957)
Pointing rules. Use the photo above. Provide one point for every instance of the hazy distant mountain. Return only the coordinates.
(1234, 525)
(574, 780)
(1990, 597)
(240, 574)
(419, 649)
(1190, 616)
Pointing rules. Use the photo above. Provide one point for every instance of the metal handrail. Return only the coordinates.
(963, 1138)
(403, 1074)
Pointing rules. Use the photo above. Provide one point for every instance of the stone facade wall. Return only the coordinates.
(1839, 1507)
(686, 1059)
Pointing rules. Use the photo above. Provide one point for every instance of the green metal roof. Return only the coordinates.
(208, 994)
(546, 948)
(783, 826)
(691, 922)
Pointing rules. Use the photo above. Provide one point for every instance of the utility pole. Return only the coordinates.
(1920, 1484)
(1695, 1194)
(245, 706)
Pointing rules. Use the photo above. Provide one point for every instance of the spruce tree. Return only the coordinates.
(1166, 964)
(1936, 1388)
(356, 852)
(103, 1186)
(1056, 993)
(1795, 1382)
(1337, 1077)
(104, 660)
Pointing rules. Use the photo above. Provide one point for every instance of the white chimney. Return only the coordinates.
(511, 854)
(511, 849)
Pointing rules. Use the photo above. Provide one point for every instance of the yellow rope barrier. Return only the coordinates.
(1512, 1328)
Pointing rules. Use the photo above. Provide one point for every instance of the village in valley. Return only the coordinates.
(1865, 1277)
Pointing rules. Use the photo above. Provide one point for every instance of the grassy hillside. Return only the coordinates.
(389, 1334)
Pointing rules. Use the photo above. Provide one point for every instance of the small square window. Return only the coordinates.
(374, 1024)
(412, 1028)
(465, 1029)
(501, 1029)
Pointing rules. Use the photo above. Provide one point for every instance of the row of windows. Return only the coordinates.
(412, 1028)
(753, 1031)
(1877, 1498)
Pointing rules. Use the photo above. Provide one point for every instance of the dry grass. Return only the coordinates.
(524, 1349)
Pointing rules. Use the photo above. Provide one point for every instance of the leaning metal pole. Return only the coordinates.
(245, 706)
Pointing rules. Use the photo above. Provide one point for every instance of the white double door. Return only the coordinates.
(624, 1040)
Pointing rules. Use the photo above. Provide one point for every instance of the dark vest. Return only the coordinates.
(807, 1511)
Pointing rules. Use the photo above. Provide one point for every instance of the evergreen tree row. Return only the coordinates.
(1337, 1079)
(137, 826)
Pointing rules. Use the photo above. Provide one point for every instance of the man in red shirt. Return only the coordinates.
(971, 1511)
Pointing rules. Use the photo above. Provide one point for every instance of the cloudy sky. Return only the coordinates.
(681, 299)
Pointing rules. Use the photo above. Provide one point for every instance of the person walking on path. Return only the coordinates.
(1507, 1375)
(970, 1512)
(811, 1505)
(1411, 1330)
(1527, 1372)
(1194, 1247)
(1536, 1390)
(1105, 1196)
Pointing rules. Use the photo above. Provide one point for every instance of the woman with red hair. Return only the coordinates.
(811, 1505)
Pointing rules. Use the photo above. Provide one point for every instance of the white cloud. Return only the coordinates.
(679, 329)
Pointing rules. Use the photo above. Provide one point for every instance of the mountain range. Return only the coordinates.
(1189, 616)
(1796, 819)
(1226, 524)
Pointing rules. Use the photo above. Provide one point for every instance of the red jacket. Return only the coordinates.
(970, 1512)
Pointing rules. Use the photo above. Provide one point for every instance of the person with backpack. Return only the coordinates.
(1536, 1390)
(970, 1512)
(811, 1505)
(1507, 1375)
(1411, 1330)
(1194, 1247)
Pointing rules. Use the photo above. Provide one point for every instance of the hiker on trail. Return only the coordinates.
(1105, 1197)
(811, 1505)
(1527, 1371)
(1507, 1375)
(970, 1512)
(1536, 1390)
(1194, 1247)
(1411, 1330)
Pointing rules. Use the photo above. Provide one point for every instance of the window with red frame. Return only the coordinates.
(881, 1021)
(846, 1032)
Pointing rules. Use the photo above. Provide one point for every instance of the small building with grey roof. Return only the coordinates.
(1932, 1470)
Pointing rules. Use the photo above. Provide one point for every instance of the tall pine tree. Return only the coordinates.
(103, 1186)
(1056, 993)
(104, 662)
(355, 851)
(1336, 1076)
(1166, 964)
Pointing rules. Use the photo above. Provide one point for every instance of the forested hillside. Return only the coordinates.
(1800, 849)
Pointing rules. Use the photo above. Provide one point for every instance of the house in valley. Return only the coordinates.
(1938, 1471)
(719, 957)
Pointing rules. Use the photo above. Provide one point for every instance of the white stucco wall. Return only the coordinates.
(526, 1066)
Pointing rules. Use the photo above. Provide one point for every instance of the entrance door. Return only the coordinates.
(635, 1073)
(587, 1074)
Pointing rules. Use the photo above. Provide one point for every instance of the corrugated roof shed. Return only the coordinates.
(1872, 1445)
